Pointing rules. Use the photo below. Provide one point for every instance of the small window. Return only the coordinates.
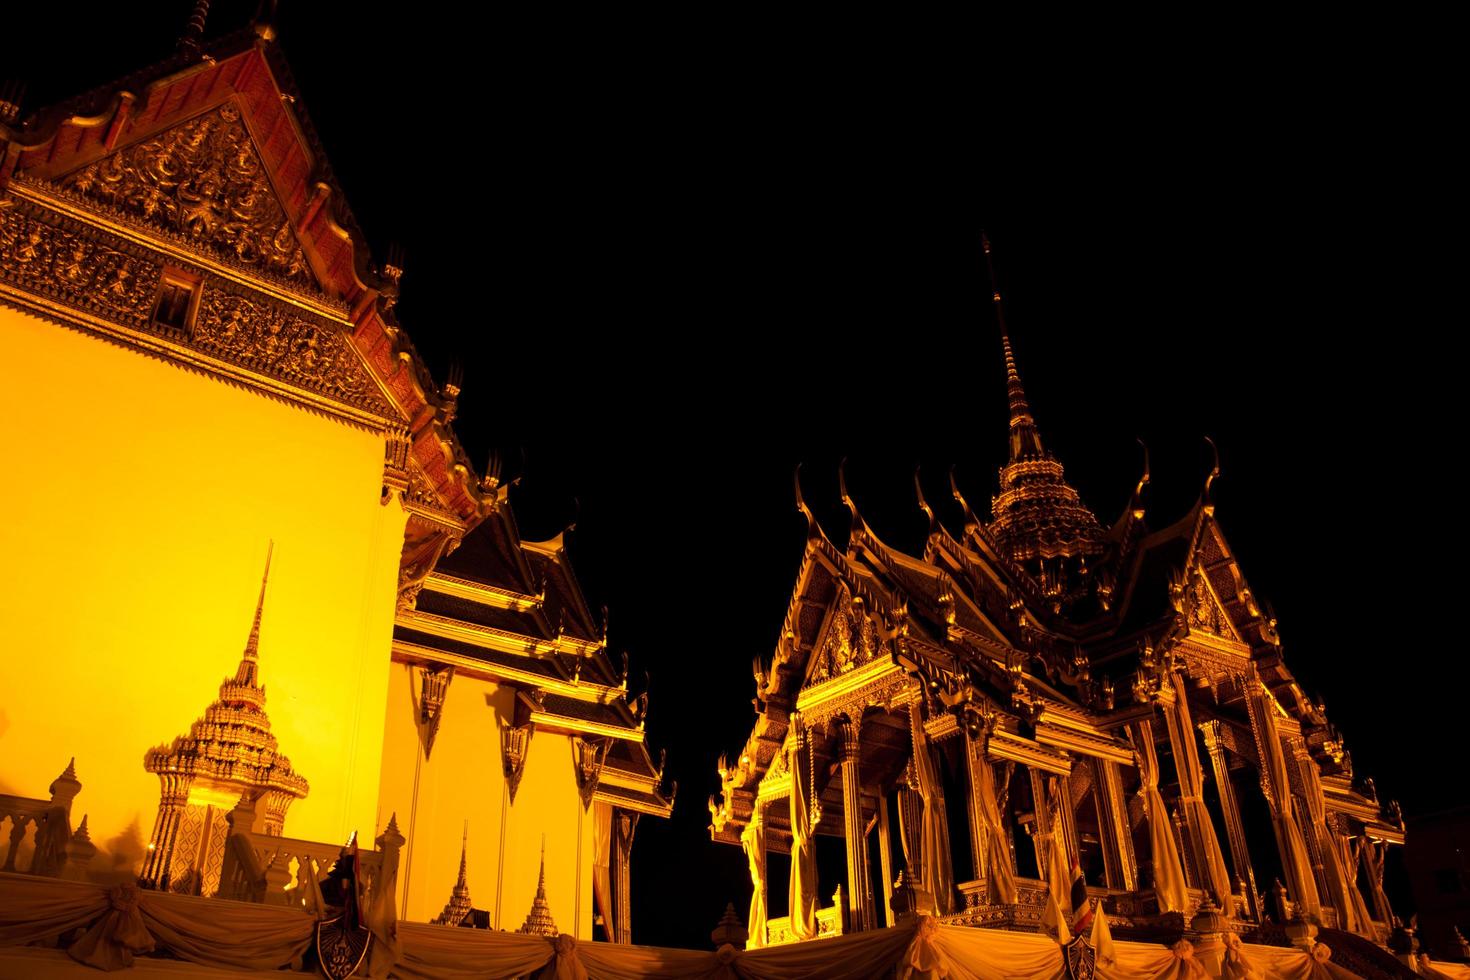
(175, 304)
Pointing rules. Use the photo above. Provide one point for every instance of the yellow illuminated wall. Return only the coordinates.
(463, 779)
(134, 518)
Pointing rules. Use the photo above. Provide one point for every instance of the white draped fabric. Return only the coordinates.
(234, 937)
(803, 883)
(602, 890)
(753, 840)
(994, 852)
(1168, 871)
(1297, 865)
(1191, 786)
(934, 867)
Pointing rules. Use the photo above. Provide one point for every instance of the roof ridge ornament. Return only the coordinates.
(924, 504)
(1214, 475)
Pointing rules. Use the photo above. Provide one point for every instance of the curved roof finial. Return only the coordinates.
(1144, 476)
(842, 490)
(1214, 469)
(801, 508)
(971, 521)
(924, 504)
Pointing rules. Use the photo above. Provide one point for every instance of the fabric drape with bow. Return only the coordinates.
(1168, 871)
(753, 840)
(803, 883)
(994, 852)
(1372, 856)
(602, 865)
(1191, 786)
(1296, 863)
(934, 866)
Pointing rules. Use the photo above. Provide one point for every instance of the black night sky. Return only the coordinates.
(672, 271)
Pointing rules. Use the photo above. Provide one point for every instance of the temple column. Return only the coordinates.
(1192, 848)
(859, 886)
(974, 759)
(1041, 816)
(885, 859)
(624, 825)
(1295, 862)
(1240, 858)
(1122, 864)
(172, 803)
(1297, 759)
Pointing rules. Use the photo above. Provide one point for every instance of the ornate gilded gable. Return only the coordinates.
(1205, 612)
(202, 184)
(851, 640)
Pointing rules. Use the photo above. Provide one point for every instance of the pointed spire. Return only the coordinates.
(538, 920)
(246, 673)
(464, 843)
(194, 29)
(1037, 516)
(1025, 440)
(459, 904)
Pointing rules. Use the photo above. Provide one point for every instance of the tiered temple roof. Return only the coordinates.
(1048, 642)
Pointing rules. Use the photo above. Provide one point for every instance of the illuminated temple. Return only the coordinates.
(258, 600)
(1043, 720)
(286, 689)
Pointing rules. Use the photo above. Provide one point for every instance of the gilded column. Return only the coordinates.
(975, 758)
(1276, 786)
(1122, 866)
(1240, 858)
(1296, 760)
(1203, 849)
(172, 803)
(859, 886)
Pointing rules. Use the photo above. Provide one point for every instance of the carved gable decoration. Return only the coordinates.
(851, 640)
(1206, 614)
(201, 183)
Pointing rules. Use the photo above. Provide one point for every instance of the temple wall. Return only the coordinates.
(138, 503)
(463, 779)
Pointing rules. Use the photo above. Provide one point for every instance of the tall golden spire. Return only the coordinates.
(459, 904)
(538, 920)
(1037, 518)
(249, 667)
(1025, 440)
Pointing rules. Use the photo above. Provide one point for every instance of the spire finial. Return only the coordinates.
(194, 29)
(1024, 439)
(464, 843)
(246, 672)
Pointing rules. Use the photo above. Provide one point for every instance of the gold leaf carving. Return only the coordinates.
(62, 264)
(272, 339)
(82, 267)
(201, 182)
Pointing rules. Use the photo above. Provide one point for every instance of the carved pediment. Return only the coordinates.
(1205, 612)
(849, 641)
(201, 183)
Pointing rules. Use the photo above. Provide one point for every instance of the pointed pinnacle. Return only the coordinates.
(245, 673)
